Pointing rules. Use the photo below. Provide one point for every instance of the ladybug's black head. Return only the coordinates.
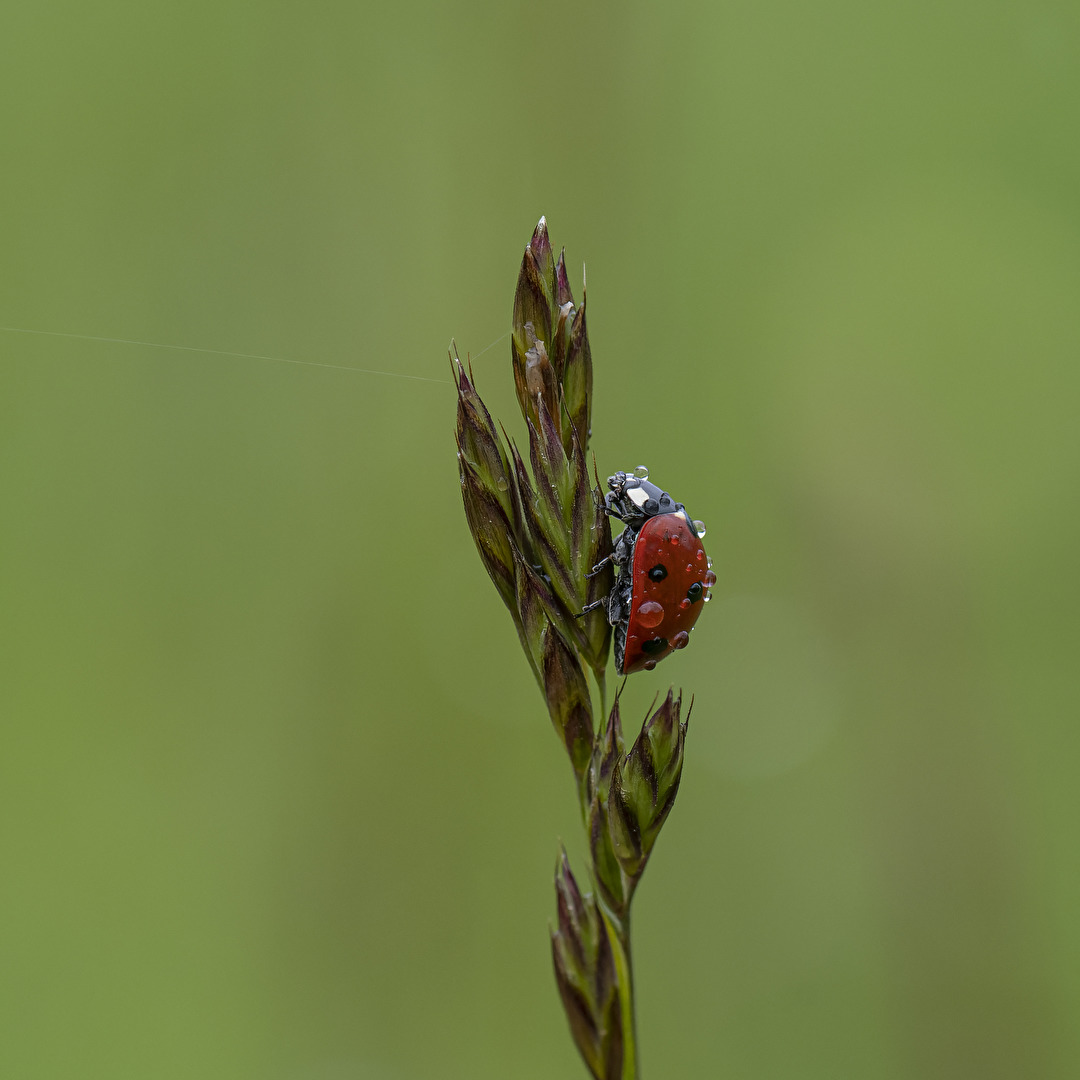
(636, 499)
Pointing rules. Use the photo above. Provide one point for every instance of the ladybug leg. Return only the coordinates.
(594, 606)
(599, 566)
(618, 557)
(609, 500)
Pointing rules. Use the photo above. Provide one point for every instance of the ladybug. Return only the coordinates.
(664, 575)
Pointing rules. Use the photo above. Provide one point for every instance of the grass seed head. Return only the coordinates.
(643, 786)
(547, 511)
(586, 977)
(540, 527)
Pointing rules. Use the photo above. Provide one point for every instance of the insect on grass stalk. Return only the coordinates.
(542, 530)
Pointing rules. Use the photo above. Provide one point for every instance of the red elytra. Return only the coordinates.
(663, 578)
(663, 609)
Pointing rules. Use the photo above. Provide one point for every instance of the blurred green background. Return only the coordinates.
(278, 797)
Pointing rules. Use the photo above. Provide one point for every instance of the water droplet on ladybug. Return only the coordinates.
(710, 579)
(689, 568)
(680, 640)
(699, 527)
(501, 484)
(700, 555)
(708, 563)
(684, 603)
(641, 472)
(673, 540)
(650, 614)
(707, 597)
(650, 664)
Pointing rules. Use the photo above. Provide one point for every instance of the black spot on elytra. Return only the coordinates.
(658, 572)
(654, 645)
(693, 594)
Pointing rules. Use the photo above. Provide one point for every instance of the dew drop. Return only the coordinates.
(650, 664)
(708, 563)
(501, 484)
(650, 614)
(710, 579)
(641, 472)
(699, 527)
(689, 568)
(707, 597)
(700, 555)
(674, 540)
(684, 603)
(680, 640)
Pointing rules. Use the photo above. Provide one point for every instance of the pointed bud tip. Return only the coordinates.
(461, 377)
(563, 293)
(540, 243)
(666, 713)
(542, 256)
(562, 861)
